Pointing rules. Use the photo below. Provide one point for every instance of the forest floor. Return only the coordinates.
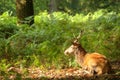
(14, 73)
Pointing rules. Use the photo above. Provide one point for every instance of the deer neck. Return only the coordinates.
(79, 55)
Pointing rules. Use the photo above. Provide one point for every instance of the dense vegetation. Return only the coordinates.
(43, 43)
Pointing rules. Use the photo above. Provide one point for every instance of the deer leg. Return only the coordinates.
(88, 70)
(99, 71)
(91, 70)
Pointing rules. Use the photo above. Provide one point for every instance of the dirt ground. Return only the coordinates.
(59, 74)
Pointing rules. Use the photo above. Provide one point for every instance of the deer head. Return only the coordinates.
(75, 45)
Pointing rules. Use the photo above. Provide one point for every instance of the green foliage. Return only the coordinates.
(4, 66)
(7, 25)
(7, 29)
(78, 6)
(43, 43)
(41, 5)
(69, 6)
(7, 5)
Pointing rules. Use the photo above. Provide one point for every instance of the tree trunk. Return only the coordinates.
(52, 6)
(25, 12)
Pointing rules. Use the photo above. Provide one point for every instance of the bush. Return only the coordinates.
(7, 25)
(8, 28)
(44, 43)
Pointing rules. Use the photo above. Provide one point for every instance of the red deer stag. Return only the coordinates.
(93, 63)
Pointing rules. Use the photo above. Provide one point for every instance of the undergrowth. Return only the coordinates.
(43, 43)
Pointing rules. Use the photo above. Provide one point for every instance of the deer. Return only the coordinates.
(92, 63)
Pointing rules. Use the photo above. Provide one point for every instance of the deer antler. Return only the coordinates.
(78, 37)
(80, 34)
(74, 35)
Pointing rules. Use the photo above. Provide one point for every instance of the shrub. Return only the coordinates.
(43, 44)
